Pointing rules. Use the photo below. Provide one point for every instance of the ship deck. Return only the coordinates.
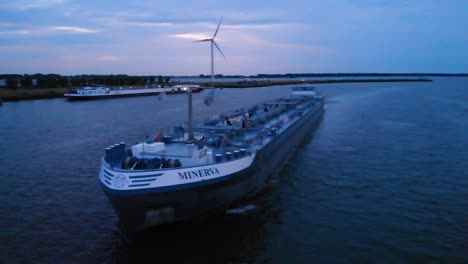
(228, 137)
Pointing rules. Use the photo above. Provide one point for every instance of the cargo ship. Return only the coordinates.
(198, 171)
(100, 92)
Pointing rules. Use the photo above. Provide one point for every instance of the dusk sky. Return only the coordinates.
(156, 37)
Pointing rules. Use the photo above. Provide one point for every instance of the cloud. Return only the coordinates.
(41, 31)
(29, 4)
(191, 36)
(21, 48)
(73, 29)
(148, 24)
(262, 37)
(108, 58)
(157, 36)
(15, 32)
(265, 26)
(5, 24)
(269, 43)
(248, 26)
(133, 14)
(237, 30)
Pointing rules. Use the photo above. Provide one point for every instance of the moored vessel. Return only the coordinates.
(201, 170)
(100, 92)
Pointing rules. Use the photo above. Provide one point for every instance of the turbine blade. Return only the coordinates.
(216, 32)
(202, 40)
(216, 45)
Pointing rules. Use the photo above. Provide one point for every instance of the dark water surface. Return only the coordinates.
(384, 178)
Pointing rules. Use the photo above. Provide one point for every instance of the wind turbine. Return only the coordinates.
(213, 43)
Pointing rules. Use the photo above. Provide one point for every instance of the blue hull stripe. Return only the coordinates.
(138, 185)
(108, 173)
(144, 180)
(145, 176)
(169, 188)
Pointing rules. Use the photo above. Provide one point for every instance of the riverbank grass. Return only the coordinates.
(30, 94)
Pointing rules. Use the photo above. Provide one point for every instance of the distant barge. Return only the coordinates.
(92, 93)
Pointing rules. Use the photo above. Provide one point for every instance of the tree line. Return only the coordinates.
(42, 81)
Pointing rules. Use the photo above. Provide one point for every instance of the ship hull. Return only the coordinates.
(187, 204)
(139, 211)
(86, 97)
(271, 158)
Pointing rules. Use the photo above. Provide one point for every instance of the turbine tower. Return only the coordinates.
(213, 43)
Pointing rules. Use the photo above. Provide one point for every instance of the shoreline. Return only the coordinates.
(253, 84)
(52, 93)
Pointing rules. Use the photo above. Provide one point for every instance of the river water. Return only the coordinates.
(384, 178)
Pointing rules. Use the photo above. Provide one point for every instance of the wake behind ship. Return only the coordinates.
(202, 170)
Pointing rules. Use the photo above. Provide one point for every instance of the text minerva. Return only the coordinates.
(187, 175)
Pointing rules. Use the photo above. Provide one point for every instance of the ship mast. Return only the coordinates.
(190, 125)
